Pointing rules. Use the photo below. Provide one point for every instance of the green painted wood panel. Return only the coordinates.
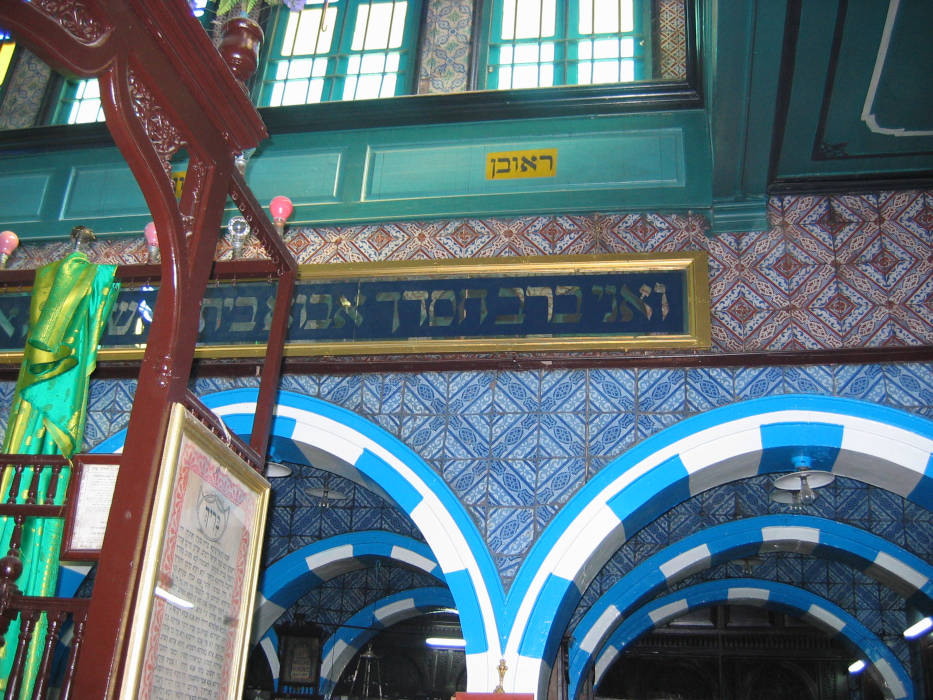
(644, 161)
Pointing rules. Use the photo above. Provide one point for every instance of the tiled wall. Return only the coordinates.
(850, 271)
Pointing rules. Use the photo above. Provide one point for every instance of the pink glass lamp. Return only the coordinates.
(281, 208)
(8, 243)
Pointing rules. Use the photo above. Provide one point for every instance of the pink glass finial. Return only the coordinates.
(281, 208)
(152, 242)
(149, 231)
(8, 243)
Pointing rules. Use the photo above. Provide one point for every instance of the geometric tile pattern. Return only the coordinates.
(445, 47)
(514, 446)
(832, 272)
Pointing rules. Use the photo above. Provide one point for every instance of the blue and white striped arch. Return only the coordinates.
(310, 431)
(343, 645)
(818, 611)
(893, 566)
(288, 579)
(881, 446)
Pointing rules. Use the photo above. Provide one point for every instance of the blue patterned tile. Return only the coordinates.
(515, 435)
(909, 384)
(516, 392)
(467, 436)
(304, 384)
(478, 513)
(662, 390)
(611, 434)
(709, 388)
(648, 424)
(425, 393)
(755, 382)
(815, 379)
(885, 504)
(611, 390)
(393, 386)
(390, 423)
(562, 435)
(510, 530)
(470, 392)
(280, 522)
(366, 518)
(343, 391)
(683, 519)
(276, 548)
(558, 479)
(563, 391)
(512, 482)
(371, 394)
(425, 434)
(468, 479)
(864, 382)
(543, 515)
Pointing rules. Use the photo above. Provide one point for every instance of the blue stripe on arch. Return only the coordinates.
(662, 487)
(558, 596)
(782, 442)
(393, 483)
(471, 620)
(923, 491)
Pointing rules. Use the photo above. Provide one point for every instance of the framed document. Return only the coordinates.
(194, 607)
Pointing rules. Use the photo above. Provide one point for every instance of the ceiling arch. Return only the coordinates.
(344, 644)
(907, 574)
(286, 580)
(816, 610)
(880, 446)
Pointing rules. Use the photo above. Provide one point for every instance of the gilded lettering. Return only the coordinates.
(421, 297)
(569, 291)
(122, 317)
(519, 316)
(465, 294)
(545, 292)
(393, 298)
(442, 295)
(251, 303)
(320, 300)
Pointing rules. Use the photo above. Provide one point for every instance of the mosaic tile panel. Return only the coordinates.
(844, 271)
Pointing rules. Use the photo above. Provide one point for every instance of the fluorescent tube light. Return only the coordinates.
(857, 667)
(445, 642)
(918, 629)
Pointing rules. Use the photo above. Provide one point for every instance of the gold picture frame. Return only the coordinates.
(571, 269)
(194, 606)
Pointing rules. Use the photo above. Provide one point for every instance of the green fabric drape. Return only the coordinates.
(71, 302)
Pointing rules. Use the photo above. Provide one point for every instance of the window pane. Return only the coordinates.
(607, 14)
(379, 26)
(311, 35)
(528, 19)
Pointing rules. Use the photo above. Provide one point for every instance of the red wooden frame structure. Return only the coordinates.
(164, 88)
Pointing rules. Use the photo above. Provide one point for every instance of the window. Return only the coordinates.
(340, 50)
(542, 43)
(80, 100)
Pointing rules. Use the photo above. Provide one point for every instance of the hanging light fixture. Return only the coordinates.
(277, 470)
(238, 231)
(800, 484)
(8, 243)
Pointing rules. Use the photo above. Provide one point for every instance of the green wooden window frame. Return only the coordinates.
(567, 47)
(331, 52)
